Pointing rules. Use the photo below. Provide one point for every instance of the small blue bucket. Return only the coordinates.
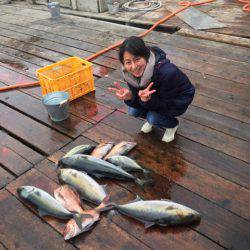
(57, 105)
(54, 9)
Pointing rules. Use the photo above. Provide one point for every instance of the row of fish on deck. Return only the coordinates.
(75, 171)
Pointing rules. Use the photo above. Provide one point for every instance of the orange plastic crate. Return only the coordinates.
(73, 75)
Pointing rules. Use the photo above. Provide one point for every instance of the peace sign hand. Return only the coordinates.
(145, 94)
(120, 92)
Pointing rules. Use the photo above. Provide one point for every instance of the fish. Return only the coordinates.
(72, 229)
(69, 198)
(159, 212)
(81, 149)
(102, 149)
(46, 204)
(98, 168)
(121, 148)
(126, 163)
(87, 187)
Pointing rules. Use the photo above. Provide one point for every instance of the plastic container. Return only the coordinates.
(73, 75)
(113, 6)
(54, 9)
(57, 105)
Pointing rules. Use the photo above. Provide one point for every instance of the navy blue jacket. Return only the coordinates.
(174, 91)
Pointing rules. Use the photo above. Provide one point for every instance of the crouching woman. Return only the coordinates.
(158, 90)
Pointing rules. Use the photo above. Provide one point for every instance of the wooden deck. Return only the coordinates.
(205, 168)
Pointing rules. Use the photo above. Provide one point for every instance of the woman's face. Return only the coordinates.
(134, 64)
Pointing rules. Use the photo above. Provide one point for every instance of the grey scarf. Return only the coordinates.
(145, 78)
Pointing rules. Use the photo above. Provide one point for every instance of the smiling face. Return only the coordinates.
(134, 64)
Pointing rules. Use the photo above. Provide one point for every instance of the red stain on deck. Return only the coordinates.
(101, 71)
(5, 151)
(14, 64)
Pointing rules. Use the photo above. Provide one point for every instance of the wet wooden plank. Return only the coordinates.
(211, 224)
(32, 49)
(234, 111)
(2, 246)
(214, 161)
(214, 139)
(30, 131)
(214, 48)
(17, 64)
(234, 40)
(21, 229)
(29, 44)
(10, 76)
(167, 161)
(5, 177)
(100, 237)
(13, 161)
(22, 55)
(16, 149)
(38, 34)
(34, 108)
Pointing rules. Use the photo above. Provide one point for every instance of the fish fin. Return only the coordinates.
(58, 164)
(42, 213)
(105, 188)
(142, 183)
(165, 200)
(163, 225)
(145, 171)
(98, 176)
(111, 214)
(79, 218)
(137, 198)
(105, 205)
(148, 224)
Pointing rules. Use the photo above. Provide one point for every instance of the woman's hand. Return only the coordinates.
(120, 92)
(145, 94)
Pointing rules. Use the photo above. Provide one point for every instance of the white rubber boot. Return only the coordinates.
(146, 128)
(169, 134)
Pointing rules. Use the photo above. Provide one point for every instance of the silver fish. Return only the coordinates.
(98, 168)
(121, 148)
(126, 163)
(88, 188)
(102, 149)
(81, 149)
(160, 212)
(46, 204)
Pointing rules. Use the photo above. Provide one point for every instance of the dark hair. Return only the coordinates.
(134, 45)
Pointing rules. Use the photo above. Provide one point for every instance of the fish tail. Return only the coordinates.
(143, 183)
(111, 214)
(146, 172)
(70, 230)
(59, 164)
(80, 217)
(105, 205)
